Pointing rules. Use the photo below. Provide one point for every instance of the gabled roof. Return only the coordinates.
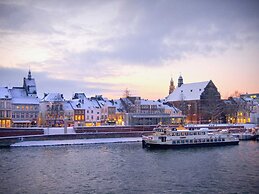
(53, 97)
(4, 93)
(191, 91)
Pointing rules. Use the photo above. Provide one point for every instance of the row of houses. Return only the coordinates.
(198, 102)
(21, 107)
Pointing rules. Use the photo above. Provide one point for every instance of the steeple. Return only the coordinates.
(180, 81)
(171, 87)
(29, 75)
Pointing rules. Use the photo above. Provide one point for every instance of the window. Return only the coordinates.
(191, 90)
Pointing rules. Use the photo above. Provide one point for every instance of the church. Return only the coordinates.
(199, 101)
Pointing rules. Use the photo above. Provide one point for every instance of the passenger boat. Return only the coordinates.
(245, 136)
(171, 137)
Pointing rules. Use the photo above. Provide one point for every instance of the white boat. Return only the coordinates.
(170, 137)
(245, 136)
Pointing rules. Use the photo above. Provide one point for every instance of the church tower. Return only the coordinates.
(29, 85)
(171, 87)
(180, 81)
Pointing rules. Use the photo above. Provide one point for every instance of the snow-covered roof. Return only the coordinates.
(191, 91)
(67, 106)
(4, 93)
(18, 92)
(53, 97)
(25, 100)
(150, 102)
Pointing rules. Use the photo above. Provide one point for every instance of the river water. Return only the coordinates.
(127, 168)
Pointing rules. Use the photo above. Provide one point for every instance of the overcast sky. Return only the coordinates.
(104, 47)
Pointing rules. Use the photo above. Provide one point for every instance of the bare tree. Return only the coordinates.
(126, 93)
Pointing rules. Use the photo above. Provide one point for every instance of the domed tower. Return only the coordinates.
(171, 87)
(180, 81)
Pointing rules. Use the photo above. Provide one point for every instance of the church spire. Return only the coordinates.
(29, 75)
(171, 87)
(180, 81)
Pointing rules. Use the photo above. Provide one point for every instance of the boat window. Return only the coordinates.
(219, 139)
(187, 141)
(182, 141)
(191, 133)
(203, 140)
(173, 142)
(177, 134)
(223, 139)
(195, 133)
(211, 140)
(173, 134)
(163, 139)
(208, 140)
(199, 133)
(215, 140)
(186, 133)
(195, 141)
(191, 140)
(178, 141)
(203, 133)
(182, 133)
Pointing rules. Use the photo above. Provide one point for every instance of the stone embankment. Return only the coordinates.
(81, 133)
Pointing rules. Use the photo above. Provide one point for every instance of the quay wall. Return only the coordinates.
(8, 132)
(7, 141)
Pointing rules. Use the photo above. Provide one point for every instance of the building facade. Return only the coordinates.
(200, 101)
(52, 110)
(5, 108)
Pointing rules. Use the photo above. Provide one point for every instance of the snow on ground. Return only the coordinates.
(58, 130)
(76, 142)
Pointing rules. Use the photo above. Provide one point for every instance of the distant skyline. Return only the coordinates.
(103, 47)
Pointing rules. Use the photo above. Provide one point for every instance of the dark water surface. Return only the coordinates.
(127, 168)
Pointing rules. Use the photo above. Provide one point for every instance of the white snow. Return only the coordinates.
(76, 142)
(191, 91)
(58, 130)
(4, 93)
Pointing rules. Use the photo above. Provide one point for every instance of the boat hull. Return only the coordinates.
(212, 144)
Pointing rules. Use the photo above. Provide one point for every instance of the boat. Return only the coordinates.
(171, 137)
(245, 136)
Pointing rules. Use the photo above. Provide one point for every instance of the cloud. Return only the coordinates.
(46, 83)
(101, 41)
